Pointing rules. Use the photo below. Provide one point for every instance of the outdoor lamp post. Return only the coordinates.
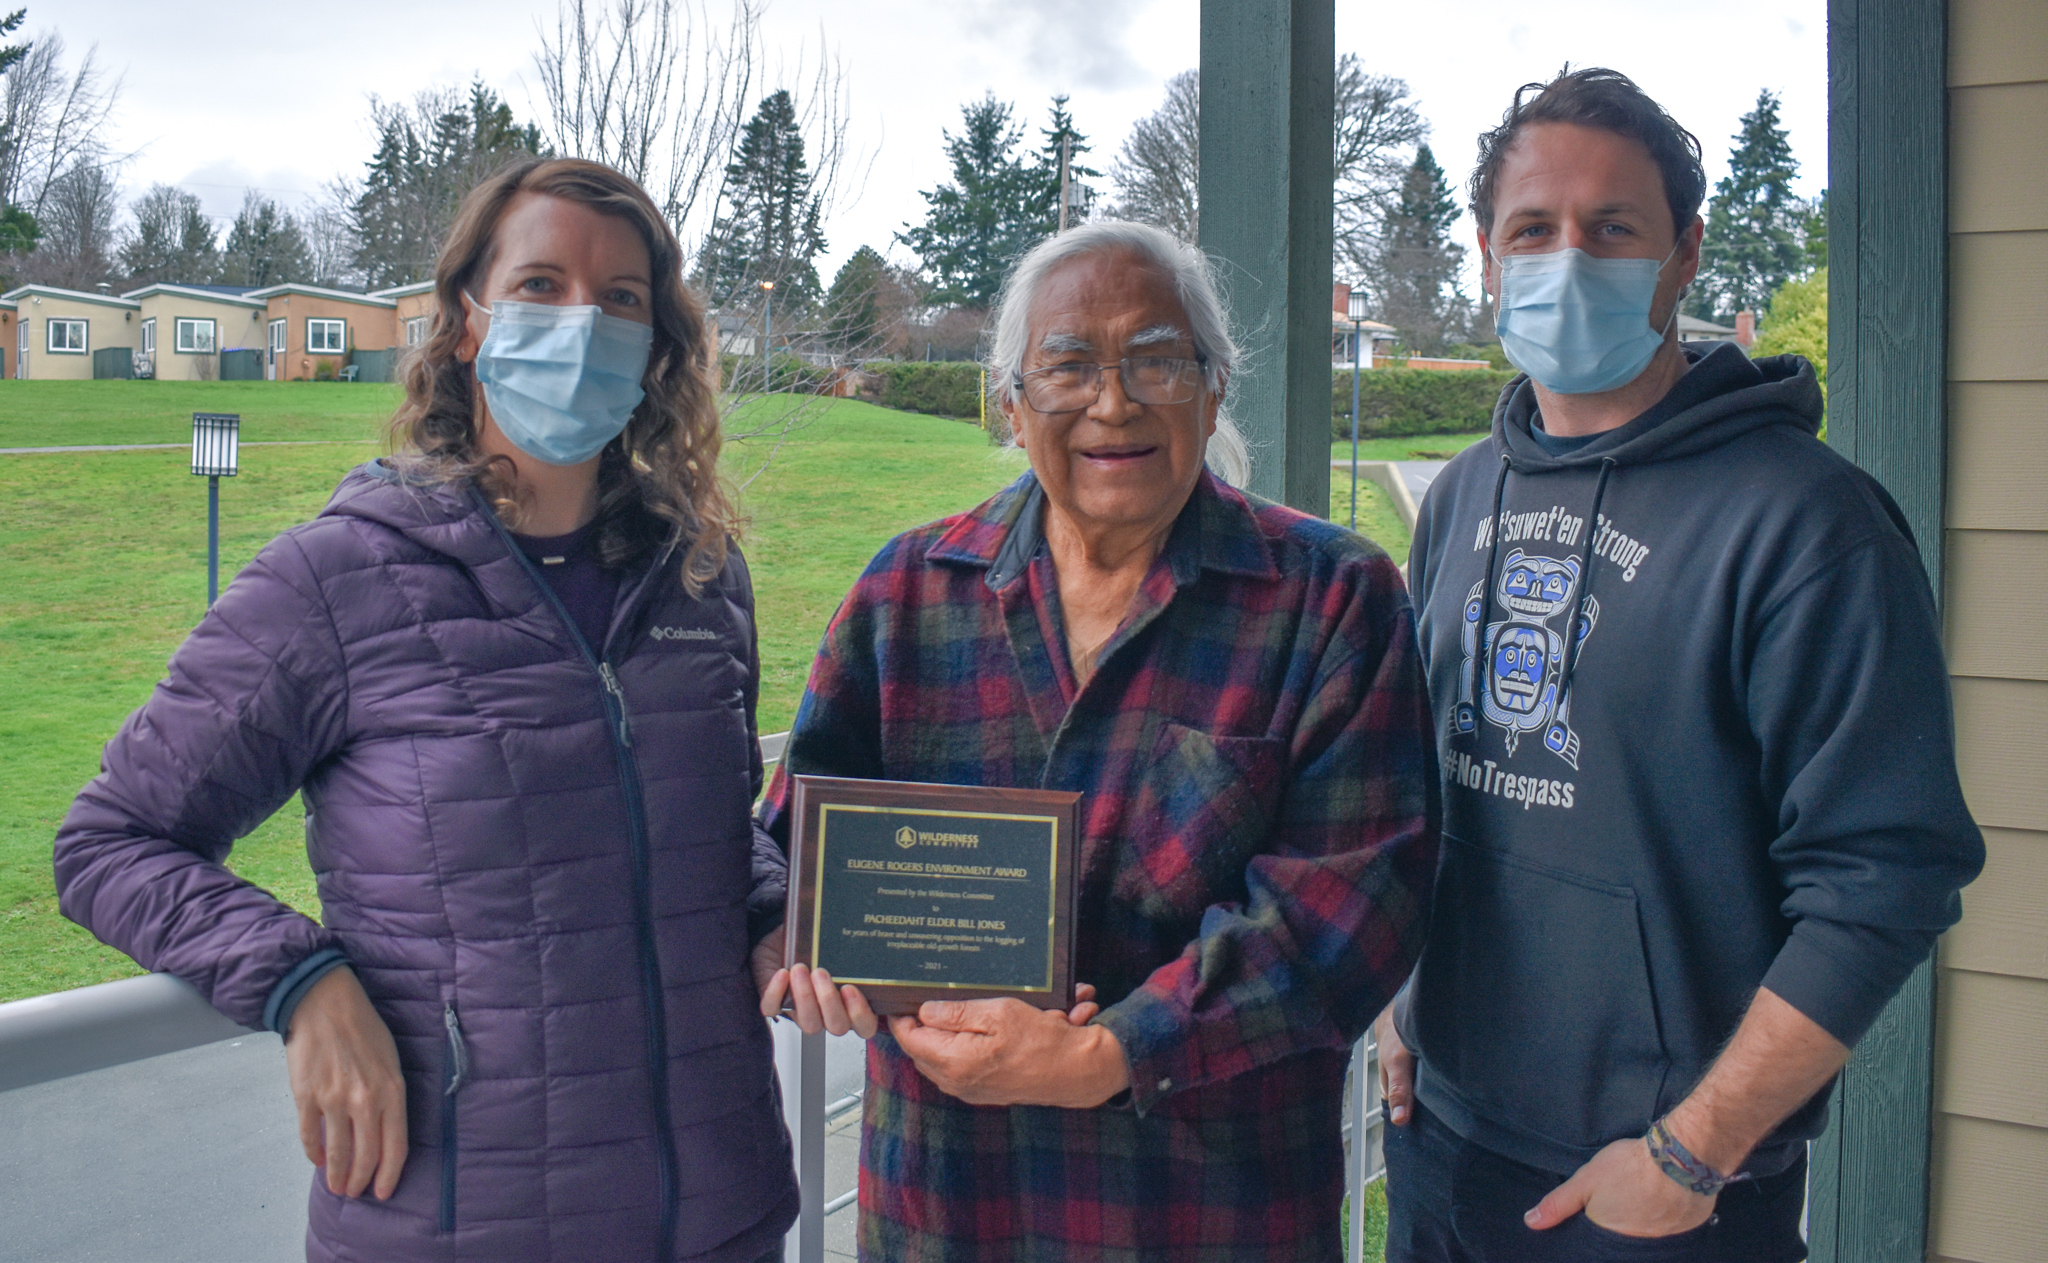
(216, 447)
(1355, 312)
(767, 336)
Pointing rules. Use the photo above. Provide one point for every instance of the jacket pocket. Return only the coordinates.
(454, 1071)
(1203, 807)
(1533, 998)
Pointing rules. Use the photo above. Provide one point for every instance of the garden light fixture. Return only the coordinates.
(216, 453)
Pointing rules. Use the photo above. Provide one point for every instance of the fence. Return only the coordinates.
(113, 1024)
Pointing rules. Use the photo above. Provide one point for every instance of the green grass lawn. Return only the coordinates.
(1407, 447)
(52, 414)
(103, 572)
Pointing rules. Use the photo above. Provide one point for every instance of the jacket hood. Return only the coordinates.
(1723, 396)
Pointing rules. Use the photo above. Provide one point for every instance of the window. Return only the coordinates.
(325, 337)
(67, 337)
(195, 337)
(416, 330)
(149, 336)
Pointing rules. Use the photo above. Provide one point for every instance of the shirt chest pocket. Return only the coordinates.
(1202, 807)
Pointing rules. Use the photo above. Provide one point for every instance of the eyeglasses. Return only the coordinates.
(1150, 379)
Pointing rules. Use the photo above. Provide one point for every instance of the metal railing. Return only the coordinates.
(94, 1028)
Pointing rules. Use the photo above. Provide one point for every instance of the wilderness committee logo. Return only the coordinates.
(906, 837)
(1523, 654)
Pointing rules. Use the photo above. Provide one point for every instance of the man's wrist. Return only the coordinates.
(1677, 1160)
(1699, 1132)
(1112, 1070)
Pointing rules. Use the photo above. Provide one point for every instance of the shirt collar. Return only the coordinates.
(1217, 530)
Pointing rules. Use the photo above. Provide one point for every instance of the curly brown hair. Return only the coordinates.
(658, 481)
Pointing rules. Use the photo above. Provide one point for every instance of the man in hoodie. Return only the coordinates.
(1701, 808)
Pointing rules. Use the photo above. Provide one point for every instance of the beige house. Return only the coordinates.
(307, 327)
(183, 329)
(1990, 1170)
(57, 330)
(415, 309)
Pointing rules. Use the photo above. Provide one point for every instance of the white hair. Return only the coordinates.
(1194, 282)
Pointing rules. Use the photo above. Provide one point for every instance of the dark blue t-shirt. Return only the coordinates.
(571, 567)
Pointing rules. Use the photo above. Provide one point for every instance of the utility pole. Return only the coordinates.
(1066, 155)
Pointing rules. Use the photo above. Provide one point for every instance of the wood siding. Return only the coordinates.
(1990, 1170)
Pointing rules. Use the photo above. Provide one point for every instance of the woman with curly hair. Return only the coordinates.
(512, 670)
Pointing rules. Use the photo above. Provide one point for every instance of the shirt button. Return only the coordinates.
(1166, 1085)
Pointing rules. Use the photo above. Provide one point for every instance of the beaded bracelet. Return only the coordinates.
(1676, 1161)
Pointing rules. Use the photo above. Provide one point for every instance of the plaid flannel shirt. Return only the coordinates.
(1257, 845)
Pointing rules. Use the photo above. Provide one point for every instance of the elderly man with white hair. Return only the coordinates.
(1234, 689)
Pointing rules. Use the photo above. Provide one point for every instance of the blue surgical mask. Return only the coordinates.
(1578, 324)
(561, 382)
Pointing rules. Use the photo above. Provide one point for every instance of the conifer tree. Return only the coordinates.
(172, 240)
(1753, 242)
(991, 213)
(266, 246)
(1415, 268)
(771, 228)
(1045, 200)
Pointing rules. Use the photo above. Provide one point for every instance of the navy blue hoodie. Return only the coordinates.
(1734, 768)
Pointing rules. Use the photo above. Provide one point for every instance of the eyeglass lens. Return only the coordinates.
(1146, 379)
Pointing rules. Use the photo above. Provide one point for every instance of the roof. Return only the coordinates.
(403, 291)
(293, 287)
(208, 293)
(1338, 320)
(71, 295)
(1694, 329)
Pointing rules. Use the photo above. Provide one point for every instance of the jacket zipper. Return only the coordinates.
(620, 730)
(458, 1070)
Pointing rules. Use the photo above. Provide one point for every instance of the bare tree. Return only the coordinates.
(51, 120)
(1158, 172)
(1377, 131)
(77, 219)
(330, 235)
(660, 90)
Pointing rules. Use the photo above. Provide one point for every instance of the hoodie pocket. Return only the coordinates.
(454, 1071)
(1533, 999)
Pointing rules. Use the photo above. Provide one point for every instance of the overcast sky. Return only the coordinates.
(275, 96)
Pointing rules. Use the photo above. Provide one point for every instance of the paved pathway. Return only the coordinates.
(148, 447)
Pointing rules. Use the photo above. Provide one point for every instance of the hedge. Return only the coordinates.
(946, 389)
(791, 372)
(1401, 401)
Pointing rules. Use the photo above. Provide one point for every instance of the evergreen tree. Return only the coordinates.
(1753, 223)
(1813, 233)
(853, 306)
(1415, 267)
(991, 213)
(265, 247)
(1045, 198)
(771, 227)
(427, 158)
(172, 242)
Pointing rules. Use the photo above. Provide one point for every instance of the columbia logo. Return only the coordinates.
(683, 633)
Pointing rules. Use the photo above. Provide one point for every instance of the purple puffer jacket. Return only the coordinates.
(540, 869)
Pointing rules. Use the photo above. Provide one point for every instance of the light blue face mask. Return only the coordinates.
(1577, 324)
(561, 382)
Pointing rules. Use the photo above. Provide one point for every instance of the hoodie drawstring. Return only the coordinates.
(1579, 607)
(1480, 656)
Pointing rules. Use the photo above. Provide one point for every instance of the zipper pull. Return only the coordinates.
(611, 685)
(458, 1052)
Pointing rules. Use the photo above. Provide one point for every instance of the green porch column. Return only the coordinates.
(1887, 376)
(1268, 105)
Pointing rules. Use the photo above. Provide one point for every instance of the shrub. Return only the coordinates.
(944, 389)
(790, 373)
(1400, 401)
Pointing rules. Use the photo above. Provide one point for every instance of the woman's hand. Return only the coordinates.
(819, 1003)
(351, 1095)
(1004, 1052)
